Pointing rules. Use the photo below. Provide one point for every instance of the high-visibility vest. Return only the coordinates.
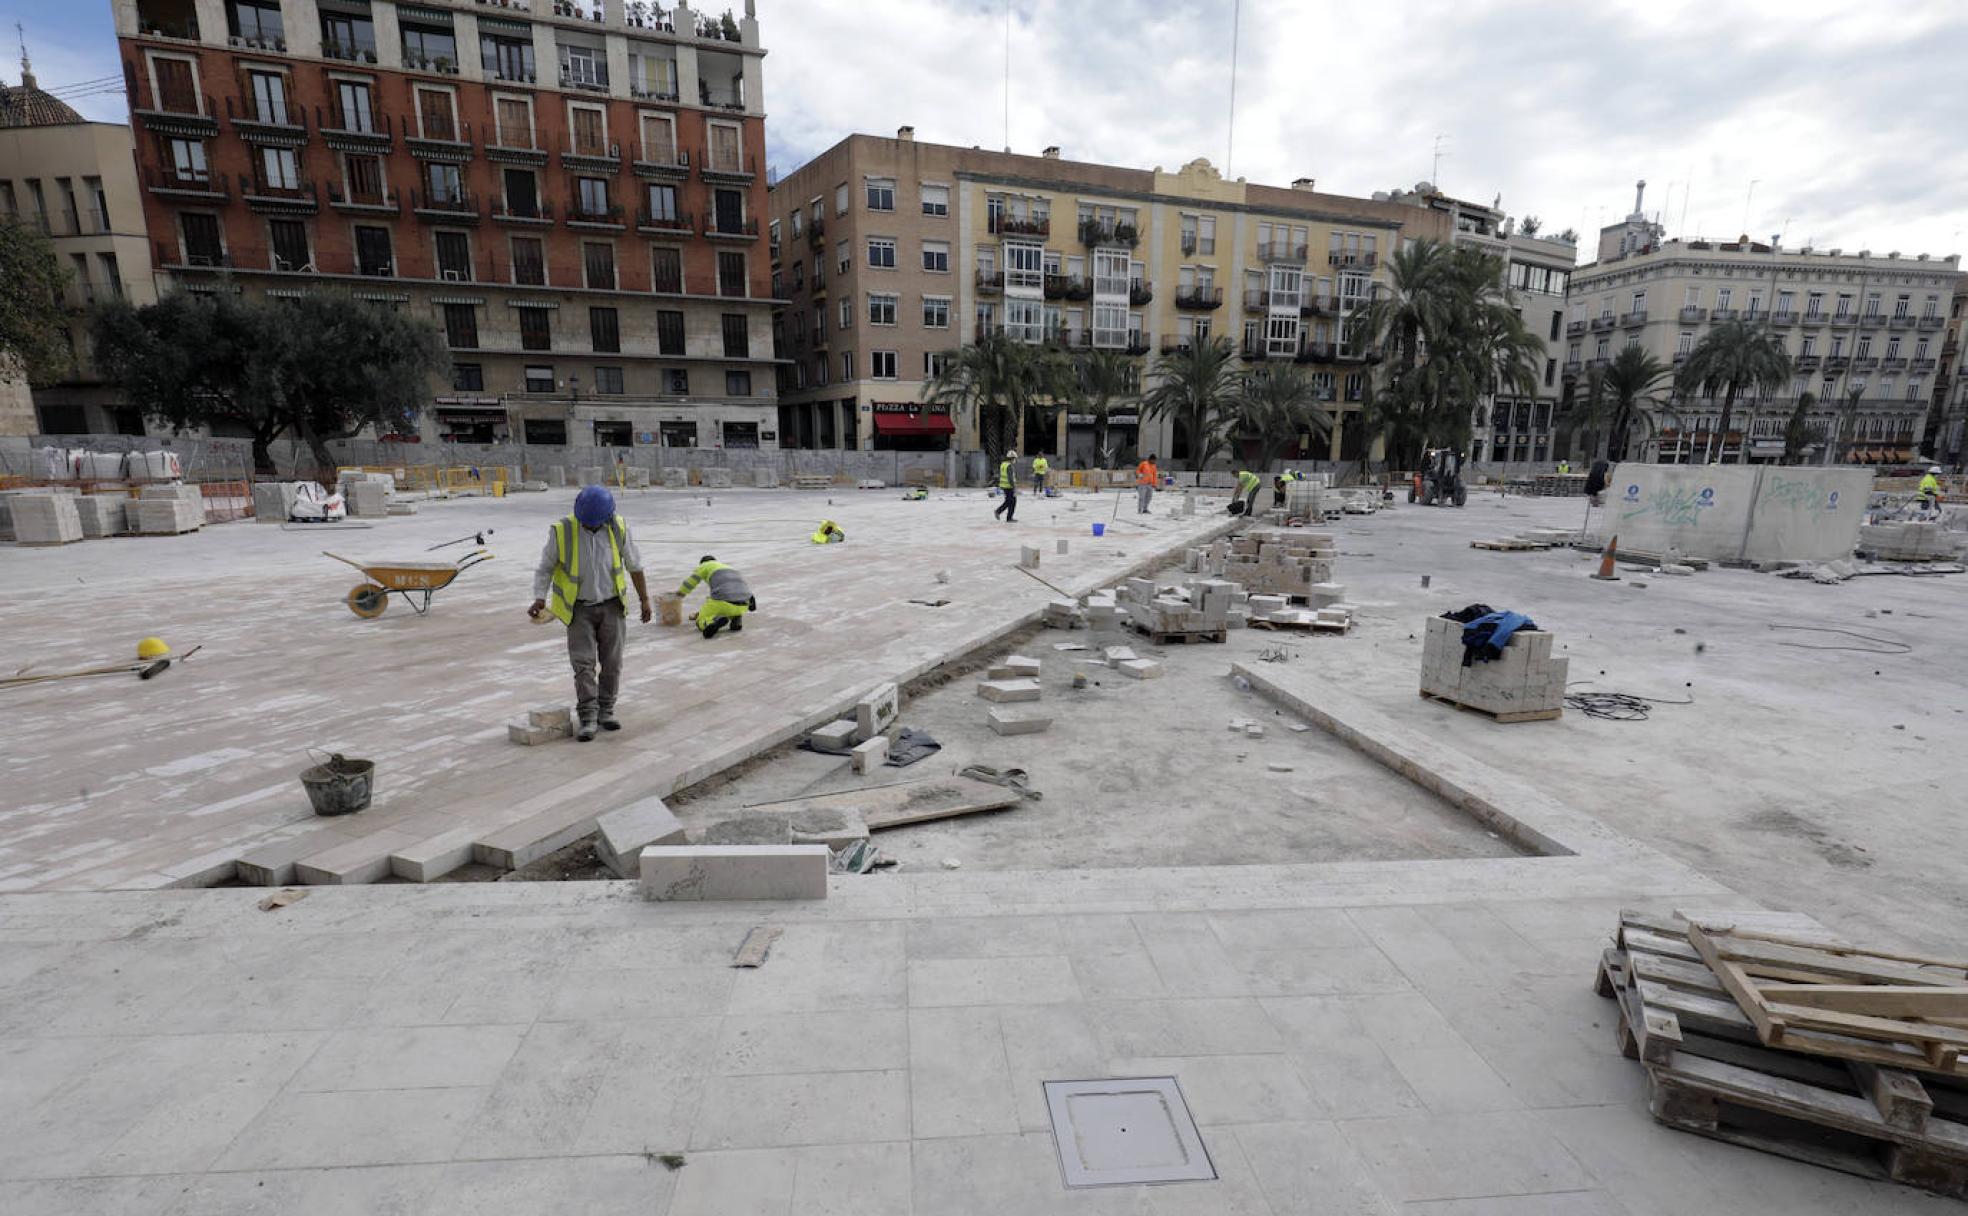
(1930, 486)
(1004, 477)
(1039, 466)
(1246, 480)
(1146, 474)
(567, 566)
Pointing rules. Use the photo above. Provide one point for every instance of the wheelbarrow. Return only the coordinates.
(410, 580)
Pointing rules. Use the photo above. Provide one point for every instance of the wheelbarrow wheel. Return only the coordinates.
(367, 600)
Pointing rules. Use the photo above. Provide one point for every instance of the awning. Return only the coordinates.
(914, 424)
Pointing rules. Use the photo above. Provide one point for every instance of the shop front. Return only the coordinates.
(912, 426)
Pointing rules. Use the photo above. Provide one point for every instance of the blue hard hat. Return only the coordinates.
(594, 506)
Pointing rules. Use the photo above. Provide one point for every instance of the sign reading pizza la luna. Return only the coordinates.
(914, 409)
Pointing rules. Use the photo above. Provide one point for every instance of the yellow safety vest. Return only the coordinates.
(1246, 480)
(1039, 466)
(1930, 486)
(1004, 476)
(567, 566)
(827, 536)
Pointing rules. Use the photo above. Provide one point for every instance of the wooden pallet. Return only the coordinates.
(1183, 636)
(1509, 545)
(1515, 715)
(1708, 1074)
(812, 481)
(1302, 626)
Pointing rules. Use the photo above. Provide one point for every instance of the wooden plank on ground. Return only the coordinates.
(1828, 964)
(906, 802)
(1873, 1000)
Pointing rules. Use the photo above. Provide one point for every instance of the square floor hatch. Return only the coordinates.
(1126, 1130)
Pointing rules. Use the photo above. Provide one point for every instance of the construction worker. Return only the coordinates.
(1929, 494)
(1039, 470)
(1244, 501)
(1564, 468)
(583, 580)
(1008, 487)
(829, 533)
(727, 598)
(1278, 485)
(1146, 478)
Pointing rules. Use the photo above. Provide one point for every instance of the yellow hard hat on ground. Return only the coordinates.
(152, 648)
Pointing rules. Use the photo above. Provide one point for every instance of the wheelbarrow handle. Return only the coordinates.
(345, 561)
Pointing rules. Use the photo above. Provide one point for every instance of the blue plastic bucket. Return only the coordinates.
(1100, 529)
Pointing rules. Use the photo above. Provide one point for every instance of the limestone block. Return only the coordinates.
(368, 500)
(273, 501)
(100, 515)
(675, 477)
(714, 872)
(1023, 666)
(877, 711)
(1028, 556)
(1254, 731)
(622, 834)
(837, 734)
(525, 733)
(717, 479)
(46, 519)
(554, 476)
(1060, 546)
(559, 717)
(591, 475)
(1116, 655)
(1141, 669)
(1009, 722)
(765, 478)
(1009, 690)
(871, 754)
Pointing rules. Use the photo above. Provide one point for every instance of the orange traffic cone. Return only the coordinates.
(1606, 570)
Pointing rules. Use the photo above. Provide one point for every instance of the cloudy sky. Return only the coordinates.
(1832, 123)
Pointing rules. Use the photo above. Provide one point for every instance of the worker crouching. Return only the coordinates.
(828, 533)
(583, 580)
(730, 599)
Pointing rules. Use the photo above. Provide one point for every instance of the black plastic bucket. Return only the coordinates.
(341, 786)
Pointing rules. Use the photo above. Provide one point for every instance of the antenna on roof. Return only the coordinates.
(1230, 138)
(1435, 170)
(1007, 77)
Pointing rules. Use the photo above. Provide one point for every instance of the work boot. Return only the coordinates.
(737, 624)
(587, 732)
(711, 630)
(608, 721)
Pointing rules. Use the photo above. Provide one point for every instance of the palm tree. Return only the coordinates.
(1276, 406)
(1096, 383)
(1846, 423)
(1618, 395)
(1798, 431)
(993, 380)
(1195, 389)
(1735, 355)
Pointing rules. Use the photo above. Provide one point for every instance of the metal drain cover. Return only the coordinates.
(1126, 1130)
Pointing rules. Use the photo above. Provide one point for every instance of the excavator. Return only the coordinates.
(1439, 483)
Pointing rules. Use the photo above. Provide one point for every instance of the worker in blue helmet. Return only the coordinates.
(583, 580)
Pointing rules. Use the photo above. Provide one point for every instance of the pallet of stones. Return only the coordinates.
(1200, 613)
(1281, 561)
(1709, 1073)
(1525, 683)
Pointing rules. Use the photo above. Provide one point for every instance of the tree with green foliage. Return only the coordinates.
(1618, 396)
(1736, 355)
(322, 366)
(1530, 225)
(32, 317)
(992, 381)
(1276, 406)
(1195, 389)
(1799, 432)
(1096, 383)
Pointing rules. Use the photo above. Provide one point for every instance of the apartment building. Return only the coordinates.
(891, 253)
(571, 189)
(1948, 419)
(74, 181)
(1864, 332)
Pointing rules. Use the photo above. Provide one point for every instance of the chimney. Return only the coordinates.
(1303, 183)
(1051, 153)
(906, 134)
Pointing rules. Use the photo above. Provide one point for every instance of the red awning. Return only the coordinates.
(914, 424)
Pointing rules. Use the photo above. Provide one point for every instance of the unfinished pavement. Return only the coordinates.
(119, 784)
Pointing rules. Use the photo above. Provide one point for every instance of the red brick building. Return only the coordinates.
(571, 191)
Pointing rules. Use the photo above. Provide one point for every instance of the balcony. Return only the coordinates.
(364, 202)
(586, 80)
(1253, 352)
(1680, 357)
(1901, 322)
(298, 199)
(283, 126)
(1313, 352)
(1340, 257)
(1139, 293)
(662, 164)
(595, 157)
(1067, 287)
(720, 99)
(1843, 320)
(1064, 338)
(1872, 320)
(524, 212)
(1180, 344)
(816, 233)
(348, 52)
(199, 259)
(681, 223)
(1317, 306)
(601, 217)
(1783, 320)
(1199, 299)
(1721, 314)
(1865, 363)
(1812, 320)
(441, 142)
(1893, 363)
(1836, 363)
(1922, 366)
(1572, 368)
(1256, 299)
(1602, 324)
(178, 112)
(1574, 328)
(730, 229)
(726, 167)
(990, 282)
(649, 92)
(1281, 251)
(461, 207)
(198, 185)
(1633, 320)
(1106, 232)
(1004, 224)
(524, 149)
(353, 130)
(1137, 342)
(437, 65)
(1932, 322)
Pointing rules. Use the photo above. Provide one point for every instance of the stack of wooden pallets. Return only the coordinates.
(1787, 1040)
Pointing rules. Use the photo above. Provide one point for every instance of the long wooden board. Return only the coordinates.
(907, 802)
(1873, 1000)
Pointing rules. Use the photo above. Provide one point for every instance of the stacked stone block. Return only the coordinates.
(46, 519)
(1910, 541)
(1281, 561)
(101, 514)
(273, 501)
(166, 510)
(1527, 679)
(1203, 607)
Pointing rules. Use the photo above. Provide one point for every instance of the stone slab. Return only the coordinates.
(767, 872)
(836, 734)
(871, 754)
(1009, 690)
(877, 711)
(364, 859)
(1140, 669)
(1009, 722)
(622, 834)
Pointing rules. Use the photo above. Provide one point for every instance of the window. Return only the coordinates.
(279, 170)
(290, 245)
(842, 258)
(936, 256)
(737, 336)
(515, 119)
(590, 131)
(535, 329)
(666, 269)
(461, 326)
(591, 197)
(188, 160)
(737, 384)
(529, 261)
(882, 364)
(258, 24)
(348, 37)
(847, 365)
(1205, 233)
(1025, 320)
(659, 139)
(604, 330)
(1639, 302)
(1809, 345)
(434, 113)
(669, 332)
(506, 58)
(372, 251)
(598, 263)
(1872, 304)
(881, 309)
(176, 85)
(1902, 306)
(881, 252)
(846, 313)
(444, 182)
(936, 312)
(840, 208)
(353, 111)
(453, 256)
(608, 381)
(936, 200)
(1024, 264)
(725, 151)
(269, 96)
(1111, 268)
(934, 363)
(429, 47)
(522, 193)
(881, 194)
(467, 377)
(539, 379)
(652, 72)
(732, 277)
(113, 278)
(583, 65)
(663, 205)
(202, 245)
(728, 211)
(1814, 304)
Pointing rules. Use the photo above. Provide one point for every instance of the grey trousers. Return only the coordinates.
(594, 647)
(1143, 495)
